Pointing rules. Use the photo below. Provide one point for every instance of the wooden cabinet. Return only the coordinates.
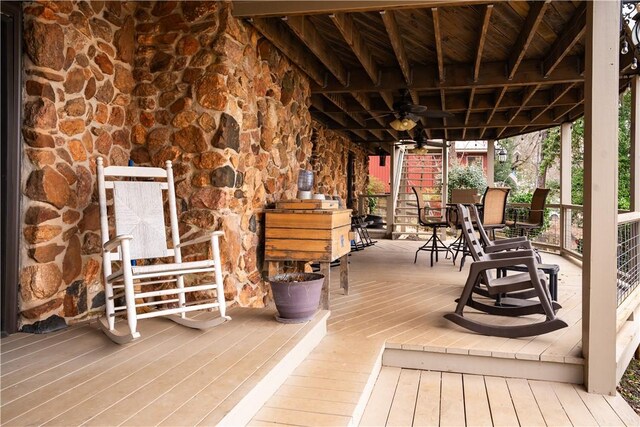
(304, 235)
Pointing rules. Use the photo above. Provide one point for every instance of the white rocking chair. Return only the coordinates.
(141, 234)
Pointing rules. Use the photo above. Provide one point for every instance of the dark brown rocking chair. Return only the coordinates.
(480, 274)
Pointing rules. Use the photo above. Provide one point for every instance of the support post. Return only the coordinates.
(491, 159)
(391, 202)
(565, 183)
(600, 196)
(635, 144)
(445, 174)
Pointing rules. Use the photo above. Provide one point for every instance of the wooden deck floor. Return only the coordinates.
(177, 376)
(395, 304)
(172, 375)
(405, 397)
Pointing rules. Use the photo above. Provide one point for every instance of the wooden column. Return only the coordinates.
(602, 42)
(565, 181)
(391, 202)
(445, 174)
(491, 160)
(635, 144)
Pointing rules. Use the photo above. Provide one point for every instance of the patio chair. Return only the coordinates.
(434, 244)
(140, 234)
(528, 220)
(494, 205)
(480, 275)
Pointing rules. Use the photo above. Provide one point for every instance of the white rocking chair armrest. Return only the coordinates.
(205, 238)
(499, 247)
(115, 242)
(524, 253)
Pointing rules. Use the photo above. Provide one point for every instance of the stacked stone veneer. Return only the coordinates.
(157, 81)
(330, 161)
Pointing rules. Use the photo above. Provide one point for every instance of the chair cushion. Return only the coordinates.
(164, 269)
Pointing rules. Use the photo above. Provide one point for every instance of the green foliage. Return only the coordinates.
(376, 186)
(466, 177)
(550, 150)
(624, 159)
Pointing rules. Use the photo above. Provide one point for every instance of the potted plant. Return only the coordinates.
(297, 295)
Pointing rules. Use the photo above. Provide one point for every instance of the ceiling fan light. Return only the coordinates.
(402, 125)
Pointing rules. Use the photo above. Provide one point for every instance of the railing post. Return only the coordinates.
(565, 183)
(599, 302)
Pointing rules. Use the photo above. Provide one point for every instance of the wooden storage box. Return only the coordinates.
(307, 235)
(307, 204)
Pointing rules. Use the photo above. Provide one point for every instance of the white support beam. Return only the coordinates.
(599, 268)
(565, 179)
(491, 160)
(635, 144)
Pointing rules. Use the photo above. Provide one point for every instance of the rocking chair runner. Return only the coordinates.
(480, 274)
(141, 234)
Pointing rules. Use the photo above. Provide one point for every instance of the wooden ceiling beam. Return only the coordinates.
(291, 48)
(307, 33)
(437, 35)
(350, 33)
(340, 102)
(558, 92)
(527, 94)
(319, 103)
(365, 102)
(270, 8)
(481, 39)
(458, 77)
(574, 31)
(391, 25)
(536, 12)
(482, 102)
(478, 121)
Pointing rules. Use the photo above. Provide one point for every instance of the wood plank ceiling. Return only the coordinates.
(501, 69)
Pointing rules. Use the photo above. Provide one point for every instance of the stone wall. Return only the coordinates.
(77, 84)
(330, 160)
(157, 81)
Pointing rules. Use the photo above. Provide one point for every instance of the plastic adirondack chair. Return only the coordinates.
(140, 234)
(480, 275)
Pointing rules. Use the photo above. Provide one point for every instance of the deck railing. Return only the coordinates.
(628, 255)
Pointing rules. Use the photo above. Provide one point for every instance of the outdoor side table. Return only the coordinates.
(551, 270)
(304, 235)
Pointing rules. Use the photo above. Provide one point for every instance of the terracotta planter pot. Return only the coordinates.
(297, 295)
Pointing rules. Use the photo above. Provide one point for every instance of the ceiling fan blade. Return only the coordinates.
(416, 109)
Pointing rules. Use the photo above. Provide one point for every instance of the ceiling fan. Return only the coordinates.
(419, 141)
(408, 114)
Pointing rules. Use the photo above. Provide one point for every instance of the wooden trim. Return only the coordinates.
(574, 31)
(536, 13)
(12, 198)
